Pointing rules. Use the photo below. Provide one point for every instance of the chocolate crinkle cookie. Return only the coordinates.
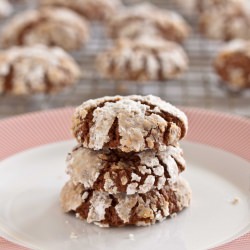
(104, 209)
(143, 60)
(232, 64)
(204, 5)
(36, 69)
(90, 9)
(226, 20)
(49, 26)
(132, 123)
(138, 20)
(115, 172)
(199, 6)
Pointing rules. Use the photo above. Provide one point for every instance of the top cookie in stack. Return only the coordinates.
(125, 171)
(133, 123)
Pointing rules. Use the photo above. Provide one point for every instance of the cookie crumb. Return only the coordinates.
(73, 236)
(235, 201)
(173, 215)
(131, 236)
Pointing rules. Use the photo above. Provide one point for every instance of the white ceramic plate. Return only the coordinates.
(30, 213)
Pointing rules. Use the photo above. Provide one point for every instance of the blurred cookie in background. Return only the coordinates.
(204, 5)
(137, 20)
(232, 64)
(198, 6)
(90, 9)
(188, 7)
(5, 8)
(36, 69)
(49, 26)
(226, 20)
(143, 60)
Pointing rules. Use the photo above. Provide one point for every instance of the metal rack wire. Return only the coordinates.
(198, 87)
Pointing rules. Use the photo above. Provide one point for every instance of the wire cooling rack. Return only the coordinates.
(199, 87)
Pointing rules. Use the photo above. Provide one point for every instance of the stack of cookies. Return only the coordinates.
(125, 169)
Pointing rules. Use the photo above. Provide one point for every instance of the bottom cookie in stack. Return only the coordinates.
(120, 209)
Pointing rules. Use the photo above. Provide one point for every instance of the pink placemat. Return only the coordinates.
(223, 131)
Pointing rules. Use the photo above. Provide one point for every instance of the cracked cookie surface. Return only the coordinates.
(232, 64)
(36, 69)
(144, 59)
(49, 26)
(226, 20)
(147, 19)
(131, 123)
(115, 172)
(90, 9)
(106, 210)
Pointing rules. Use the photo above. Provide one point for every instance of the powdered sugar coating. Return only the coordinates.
(143, 59)
(147, 185)
(90, 9)
(236, 46)
(52, 27)
(147, 19)
(232, 64)
(124, 207)
(147, 208)
(192, 6)
(84, 166)
(132, 123)
(204, 5)
(116, 172)
(99, 202)
(36, 69)
(226, 20)
(5, 8)
(188, 6)
(71, 196)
